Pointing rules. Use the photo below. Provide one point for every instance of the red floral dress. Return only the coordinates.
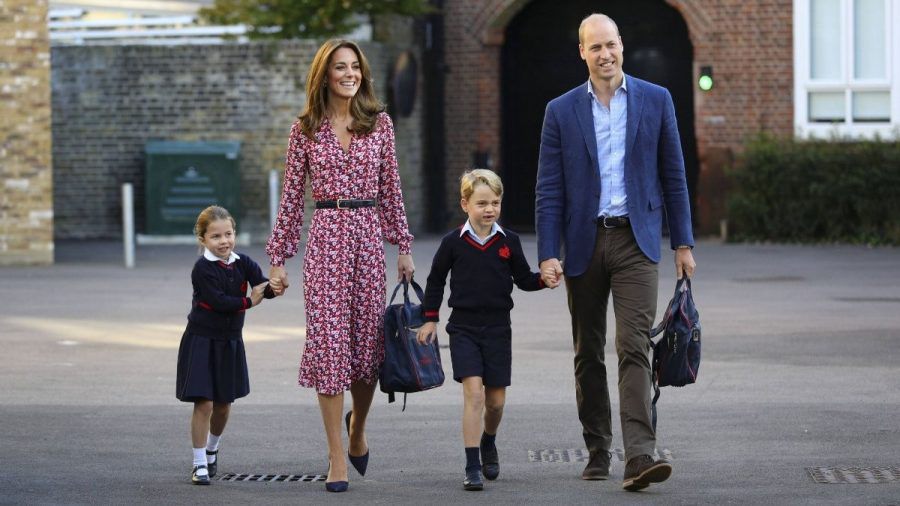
(343, 270)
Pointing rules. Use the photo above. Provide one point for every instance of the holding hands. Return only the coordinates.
(551, 272)
(278, 279)
(258, 293)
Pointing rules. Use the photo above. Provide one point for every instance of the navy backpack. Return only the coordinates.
(408, 366)
(676, 356)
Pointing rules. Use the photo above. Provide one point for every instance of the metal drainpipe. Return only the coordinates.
(434, 68)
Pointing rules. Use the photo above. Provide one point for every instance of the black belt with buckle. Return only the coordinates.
(613, 221)
(345, 203)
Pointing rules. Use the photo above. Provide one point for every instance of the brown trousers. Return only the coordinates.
(618, 266)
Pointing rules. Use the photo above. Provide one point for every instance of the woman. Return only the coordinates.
(344, 142)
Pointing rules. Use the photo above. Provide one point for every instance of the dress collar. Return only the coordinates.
(207, 254)
(495, 228)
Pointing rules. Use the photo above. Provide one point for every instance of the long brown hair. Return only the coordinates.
(364, 106)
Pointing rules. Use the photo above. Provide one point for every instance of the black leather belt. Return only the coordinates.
(345, 203)
(613, 221)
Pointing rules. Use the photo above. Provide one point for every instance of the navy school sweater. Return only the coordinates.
(481, 278)
(220, 296)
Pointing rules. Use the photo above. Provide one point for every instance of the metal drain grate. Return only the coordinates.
(268, 478)
(865, 475)
(582, 455)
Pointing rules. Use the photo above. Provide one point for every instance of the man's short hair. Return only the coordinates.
(589, 16)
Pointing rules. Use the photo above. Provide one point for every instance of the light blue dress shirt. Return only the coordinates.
(609, 129)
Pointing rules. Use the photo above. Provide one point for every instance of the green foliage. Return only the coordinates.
(816, 191)
(289, 19)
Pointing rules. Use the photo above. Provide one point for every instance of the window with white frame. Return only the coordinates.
(847, 67)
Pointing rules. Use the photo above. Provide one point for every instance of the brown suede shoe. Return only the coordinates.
(598, 466)
(642, 470)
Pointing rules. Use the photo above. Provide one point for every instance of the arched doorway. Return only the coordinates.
(540, 61)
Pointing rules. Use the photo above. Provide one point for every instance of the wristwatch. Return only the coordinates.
(684, 246)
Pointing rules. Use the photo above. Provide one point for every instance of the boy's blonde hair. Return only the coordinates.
(209, 215)
(475, 176)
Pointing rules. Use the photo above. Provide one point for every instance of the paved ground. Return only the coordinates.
(800, 370)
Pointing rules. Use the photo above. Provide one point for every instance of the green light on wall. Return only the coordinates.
(705, 82)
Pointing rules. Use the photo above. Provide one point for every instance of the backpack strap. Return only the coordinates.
(683, 284)
(392, 398)
(653, 382)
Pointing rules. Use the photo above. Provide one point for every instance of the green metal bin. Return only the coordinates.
(183, 178)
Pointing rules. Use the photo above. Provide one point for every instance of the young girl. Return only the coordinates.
(212, 367)
(483, 260)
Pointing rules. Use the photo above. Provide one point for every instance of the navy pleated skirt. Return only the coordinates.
(211, 369)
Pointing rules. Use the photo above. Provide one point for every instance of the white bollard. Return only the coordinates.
(128, 223)
(274, 197)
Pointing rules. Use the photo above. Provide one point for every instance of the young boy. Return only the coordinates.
(484, 260)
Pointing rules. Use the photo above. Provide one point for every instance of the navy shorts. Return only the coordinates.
(481, 351)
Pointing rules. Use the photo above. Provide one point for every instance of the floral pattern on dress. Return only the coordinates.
(344, 271)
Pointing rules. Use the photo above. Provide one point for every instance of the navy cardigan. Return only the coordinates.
(220, 296)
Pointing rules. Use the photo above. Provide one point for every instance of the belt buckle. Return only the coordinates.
(343, 200)
(603, 221)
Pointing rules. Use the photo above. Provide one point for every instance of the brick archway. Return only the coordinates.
(748, 43)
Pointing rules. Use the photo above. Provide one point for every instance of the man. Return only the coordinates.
(610, 160)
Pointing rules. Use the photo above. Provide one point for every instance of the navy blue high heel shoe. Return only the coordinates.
(336, 486)
(359, 463)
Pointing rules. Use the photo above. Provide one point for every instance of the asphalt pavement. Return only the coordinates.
(797, 400)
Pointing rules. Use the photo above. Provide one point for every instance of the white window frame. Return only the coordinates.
(843, 49)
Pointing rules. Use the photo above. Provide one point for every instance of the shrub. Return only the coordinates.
(816, 191)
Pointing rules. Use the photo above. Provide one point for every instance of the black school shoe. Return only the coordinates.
(473, 479)
(490, 462)
(200, 479)
(214, 466)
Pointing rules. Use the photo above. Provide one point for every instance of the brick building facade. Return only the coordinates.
(26, 195)
(748, 44)
(108, 101)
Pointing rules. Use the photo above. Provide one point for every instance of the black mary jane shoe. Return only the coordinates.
(200, 479)
(213, 467)
(359, 463)
(473, 480)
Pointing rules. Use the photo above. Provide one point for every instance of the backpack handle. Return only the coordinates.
(405, 285)
(682, 285)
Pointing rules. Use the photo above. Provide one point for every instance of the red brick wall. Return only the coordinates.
(748, 44)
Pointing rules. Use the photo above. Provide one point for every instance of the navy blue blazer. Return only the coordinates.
(567, 194)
